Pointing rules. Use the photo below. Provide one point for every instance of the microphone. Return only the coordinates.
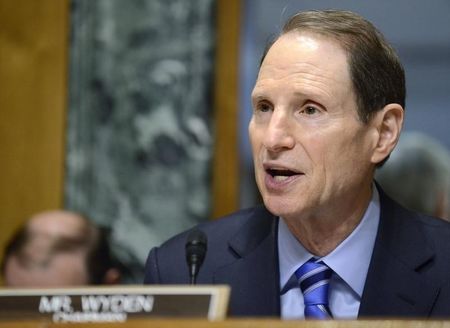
(195, 252)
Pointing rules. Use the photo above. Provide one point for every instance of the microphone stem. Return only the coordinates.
(193, 272)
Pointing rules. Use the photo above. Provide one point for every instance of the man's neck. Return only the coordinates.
(320, 233)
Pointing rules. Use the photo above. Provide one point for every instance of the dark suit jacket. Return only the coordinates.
(408, 276)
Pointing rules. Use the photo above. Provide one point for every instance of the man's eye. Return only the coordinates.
(264, 107)
(310, 110)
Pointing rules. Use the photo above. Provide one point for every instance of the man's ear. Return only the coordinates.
(112, 277)
(388, 123)
(442, 207)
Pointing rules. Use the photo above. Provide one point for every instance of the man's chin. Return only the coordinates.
(282, 208)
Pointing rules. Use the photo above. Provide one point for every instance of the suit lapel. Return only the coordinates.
(255, 274)
(396, 283)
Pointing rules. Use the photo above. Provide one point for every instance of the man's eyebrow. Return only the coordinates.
(258, 94)
(257, 98)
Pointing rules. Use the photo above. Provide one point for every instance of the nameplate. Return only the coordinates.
(114, 304)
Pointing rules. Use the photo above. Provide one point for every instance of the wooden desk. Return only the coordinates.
(238, 323)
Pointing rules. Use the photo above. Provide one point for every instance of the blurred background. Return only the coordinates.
(135, 112)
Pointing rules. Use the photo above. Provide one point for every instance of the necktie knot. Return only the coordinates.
(314, 278)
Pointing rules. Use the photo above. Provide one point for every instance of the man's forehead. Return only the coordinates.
(304, 60)
(309, 42)
(57, 223)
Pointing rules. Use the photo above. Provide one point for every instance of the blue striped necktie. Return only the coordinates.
(314, 278)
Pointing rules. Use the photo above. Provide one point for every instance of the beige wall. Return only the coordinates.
(225, 163)
(33, 91)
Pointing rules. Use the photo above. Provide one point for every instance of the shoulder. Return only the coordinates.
(404, 218)
(163, 261)
(410, 233)
(436, 230)
(224, 228)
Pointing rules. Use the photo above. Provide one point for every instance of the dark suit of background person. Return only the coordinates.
(328, 109)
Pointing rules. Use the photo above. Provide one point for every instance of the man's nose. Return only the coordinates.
(278, 135)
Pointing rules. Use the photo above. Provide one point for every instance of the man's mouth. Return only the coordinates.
(281, 174)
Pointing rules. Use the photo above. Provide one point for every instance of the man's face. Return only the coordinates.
(38, 268)
(312, 154)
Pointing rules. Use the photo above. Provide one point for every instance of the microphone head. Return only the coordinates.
(196, 246)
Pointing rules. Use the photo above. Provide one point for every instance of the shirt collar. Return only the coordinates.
(349, 260)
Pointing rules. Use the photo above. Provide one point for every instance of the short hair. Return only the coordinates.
(419, 169)
(377, 75)
(91, 239)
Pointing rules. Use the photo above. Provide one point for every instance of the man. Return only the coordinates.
(417, 175)
(58, 249)
(327, 110)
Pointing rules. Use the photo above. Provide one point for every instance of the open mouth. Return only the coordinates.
(281, 174)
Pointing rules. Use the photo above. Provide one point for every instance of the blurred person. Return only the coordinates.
(59, 249)
(417, 175)
(328, 109)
